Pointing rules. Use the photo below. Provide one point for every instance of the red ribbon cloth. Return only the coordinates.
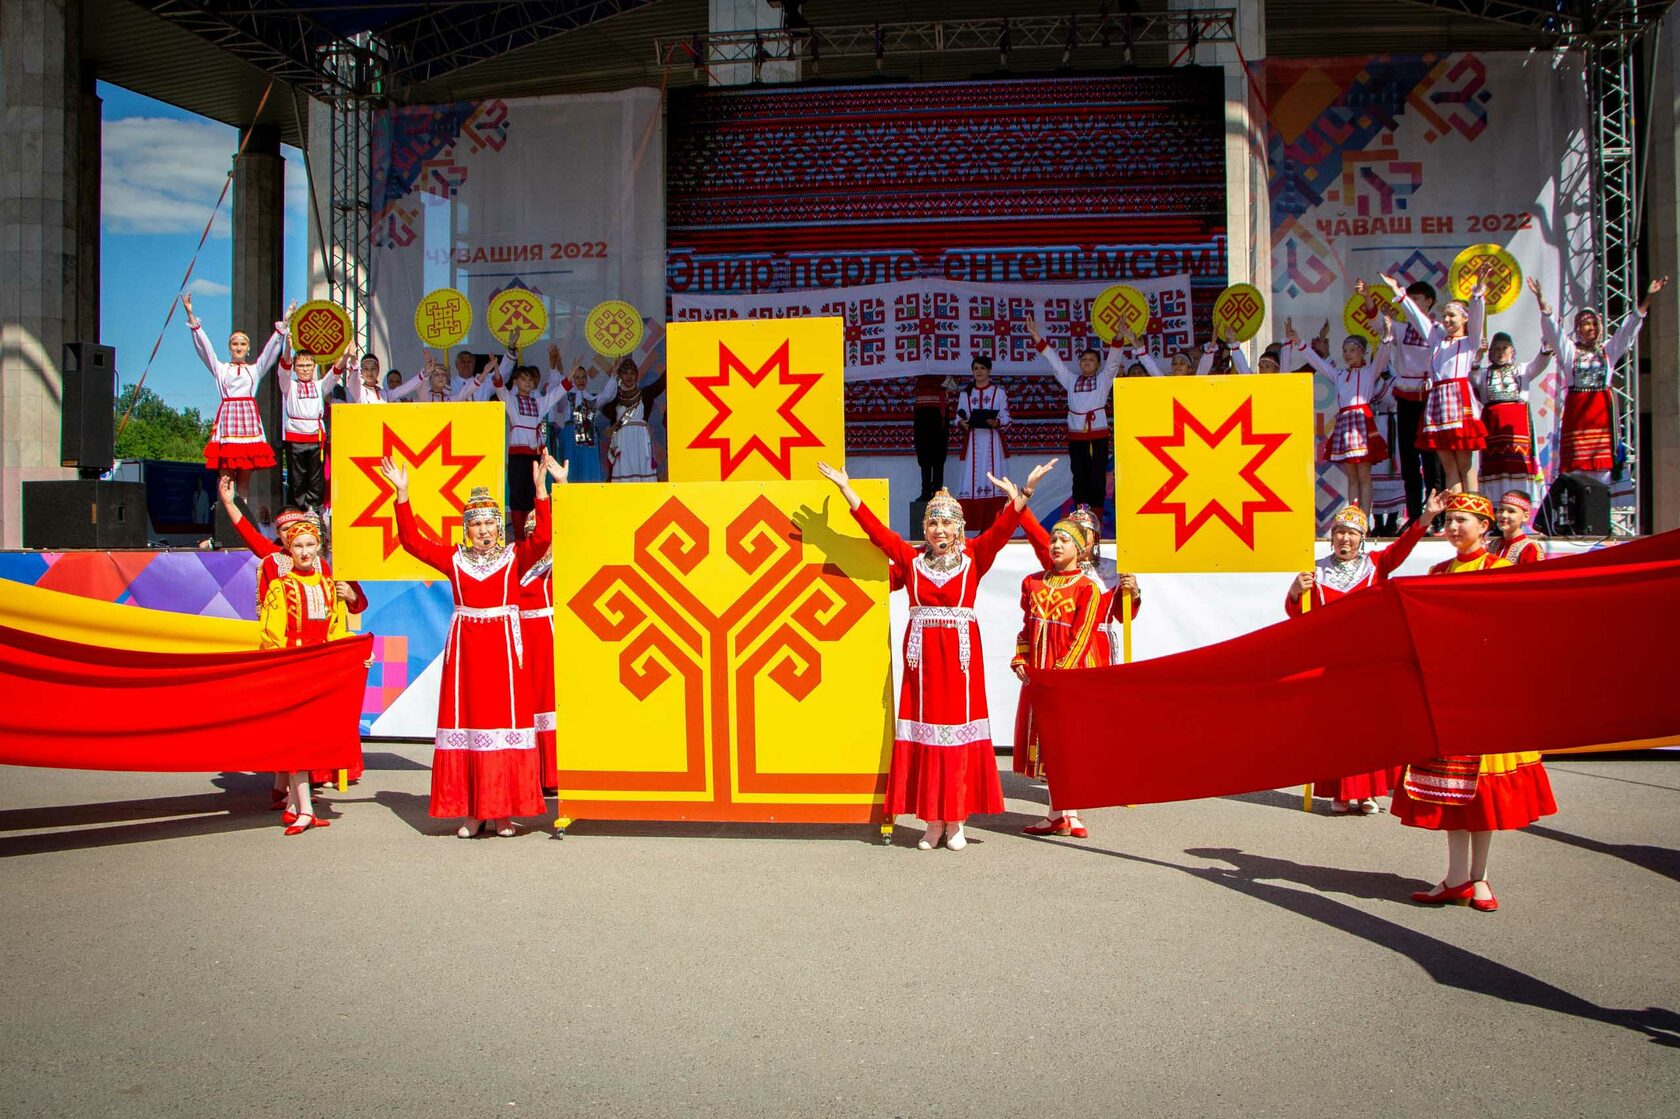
(1388, 676)
(74, 706)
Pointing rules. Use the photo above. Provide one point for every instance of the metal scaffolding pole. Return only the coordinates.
(1610, 82)
(357, 68)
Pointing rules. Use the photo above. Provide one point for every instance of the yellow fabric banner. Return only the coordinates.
(447, 449)
(725, 654)
(93, 621)
(757, 400)
(1214, 473)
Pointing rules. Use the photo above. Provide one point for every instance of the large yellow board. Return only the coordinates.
(447, 449)
(722, 653)
(755, 400)
(1214, 473)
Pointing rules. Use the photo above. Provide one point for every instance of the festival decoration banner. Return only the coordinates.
(727, 654)
(941, 326)
(1369, 160)
(755, 401)
(446, 448)
(1214, 473)
(488, 197)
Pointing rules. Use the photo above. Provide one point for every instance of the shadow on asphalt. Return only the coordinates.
(1448, 964)
(1658, 860)
(241, 805)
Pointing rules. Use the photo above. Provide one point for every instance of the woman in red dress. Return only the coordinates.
(484, 767)
(1471, 797)
(536, 624)
(1109, 638)
(237, 443)
(943, 769)
(1063, 609)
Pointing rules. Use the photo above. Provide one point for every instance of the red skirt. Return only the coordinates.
(237, 441)
(1024, 756)
(538, 636)
(1588, 443)
(238, 456)
(330, 776)
(1361, 786)
(1503, 802)
(949, 783)
(1510, 443)
(486, 784)
(1467, 434)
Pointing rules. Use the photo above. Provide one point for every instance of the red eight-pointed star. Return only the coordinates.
(1241, 524)
(732, 456)
(396, 450)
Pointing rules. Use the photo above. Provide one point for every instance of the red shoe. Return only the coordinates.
(1058, 826)
(1488, 906)
(288, 817)
(1077, 831)
(300, 827)
(1447, 895)
(276, 799)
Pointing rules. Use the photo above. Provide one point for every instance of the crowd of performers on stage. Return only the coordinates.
(496, 751)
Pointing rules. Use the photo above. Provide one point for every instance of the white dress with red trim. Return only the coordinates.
(943, 767)
(485, 763)
(237, 440)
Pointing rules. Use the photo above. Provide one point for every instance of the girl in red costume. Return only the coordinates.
(943, 769)
(273, 561)
(536, 623)
(1063, 609)
(1511, 515)
(300, 607)
(485, 767)
(1468, 797)
(1345, 570)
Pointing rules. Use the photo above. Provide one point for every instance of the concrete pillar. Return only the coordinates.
(746, 15)
(41, 103)
(1661, 344)
(90, 162)
(1248, 211)
(259, 226)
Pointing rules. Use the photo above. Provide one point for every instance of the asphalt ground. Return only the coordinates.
(167, 952)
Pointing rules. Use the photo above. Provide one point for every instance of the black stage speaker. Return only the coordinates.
(85, 513)
(1576, 505)
(86, 423)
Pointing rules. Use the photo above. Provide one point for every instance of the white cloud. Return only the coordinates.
(297, 185)
(163, 175)
(200, 286)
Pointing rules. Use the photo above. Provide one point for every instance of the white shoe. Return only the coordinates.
(954, 841)
(1340, 807)
(1369, 807)
(930, 838)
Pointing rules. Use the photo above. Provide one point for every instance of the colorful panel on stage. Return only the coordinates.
(446, 448)
(727, 654)
(755, 400)
(1214, 473)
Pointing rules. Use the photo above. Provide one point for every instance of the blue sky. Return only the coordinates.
(163, 168)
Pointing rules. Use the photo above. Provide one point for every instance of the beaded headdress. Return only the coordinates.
(1473, 503)
(1351, 516)
(943, 505)
(292, 525)
(1517, 499)
(480, 507)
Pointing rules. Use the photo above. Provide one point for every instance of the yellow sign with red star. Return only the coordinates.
(1214, 473)
(757, 400)
(446, 448)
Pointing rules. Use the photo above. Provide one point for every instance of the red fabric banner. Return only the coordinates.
(75, 706)
(1384, 677)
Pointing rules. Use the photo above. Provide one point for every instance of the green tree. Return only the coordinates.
(157, 431)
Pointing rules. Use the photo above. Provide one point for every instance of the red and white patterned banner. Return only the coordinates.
(940, 326)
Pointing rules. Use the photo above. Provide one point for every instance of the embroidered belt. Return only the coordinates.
(508, 615)
(545, 612)
(951, 617)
